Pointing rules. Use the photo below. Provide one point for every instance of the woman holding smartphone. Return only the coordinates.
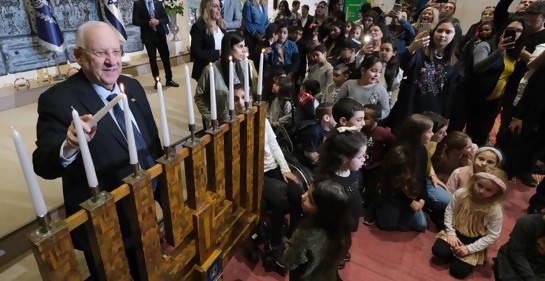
(431, 66)
(478, 95)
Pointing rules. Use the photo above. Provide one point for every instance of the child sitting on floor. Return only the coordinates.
(402, 182)
(485, 157)
(473, 222)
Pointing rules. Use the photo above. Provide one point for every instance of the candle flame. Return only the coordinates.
(263, 50)
(158, 79)
(230, 58)
(122, 87)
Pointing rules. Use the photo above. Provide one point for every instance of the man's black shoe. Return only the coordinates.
(171, 83)
(527, 179)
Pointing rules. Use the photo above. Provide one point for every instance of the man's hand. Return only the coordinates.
(515, 126)
(290, 176)
(153, 22)
(72, 142)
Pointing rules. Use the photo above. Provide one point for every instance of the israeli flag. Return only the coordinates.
(49, 31)
(112, 15)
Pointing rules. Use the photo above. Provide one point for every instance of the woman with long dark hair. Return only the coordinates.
(431, 67)
(478, 97)
(232, 46)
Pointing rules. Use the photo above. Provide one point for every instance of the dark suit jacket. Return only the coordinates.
(108, 147)
(531, 107)
(203, 48)
(141, 18)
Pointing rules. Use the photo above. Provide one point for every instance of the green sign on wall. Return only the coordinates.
(352, 8)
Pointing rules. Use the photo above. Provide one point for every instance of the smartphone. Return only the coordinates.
(510, 33)
(424, 27)
(441, 1)
(397, 7)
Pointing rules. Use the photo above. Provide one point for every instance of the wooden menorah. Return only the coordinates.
(223, 179)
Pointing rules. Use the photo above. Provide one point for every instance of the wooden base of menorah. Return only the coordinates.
(145, 227)
(105, 238)
(54, 252)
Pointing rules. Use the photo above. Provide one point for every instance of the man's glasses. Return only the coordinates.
(104, 53)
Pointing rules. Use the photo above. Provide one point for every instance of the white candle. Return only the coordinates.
(133, 156)
(246, 80)
(85, 153)
(30, 177)
(260, 76)
(213, 109)
(164, 124)
(94, 120)
(231, 84)
(189, 97)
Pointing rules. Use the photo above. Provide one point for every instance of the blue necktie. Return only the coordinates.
(146, 161)
(151, 10)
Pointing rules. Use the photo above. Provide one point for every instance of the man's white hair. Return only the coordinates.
(82, 29)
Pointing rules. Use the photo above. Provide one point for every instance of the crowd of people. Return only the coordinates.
(393, 113)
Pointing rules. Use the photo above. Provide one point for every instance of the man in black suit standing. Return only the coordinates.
(152, 18)
(99, 53)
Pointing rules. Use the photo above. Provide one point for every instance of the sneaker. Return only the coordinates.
(527, 179)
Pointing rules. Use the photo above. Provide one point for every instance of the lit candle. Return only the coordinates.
(133, 156)
(231, 84)
(30, 177)
(189, 97)
(94, 120)
(164, 124)
(85, 153)
(213, 109)
(260, 76)
(246, 80)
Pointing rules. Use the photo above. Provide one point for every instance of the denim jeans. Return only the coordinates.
(438, 197)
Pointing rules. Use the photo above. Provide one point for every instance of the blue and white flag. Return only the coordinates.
(112, 15)
(49, 31)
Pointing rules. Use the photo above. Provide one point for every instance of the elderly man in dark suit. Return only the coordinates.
(152, 19)
(99, 53)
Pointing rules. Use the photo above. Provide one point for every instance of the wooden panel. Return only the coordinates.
(203, 221)
(105, 238)
(247, 160)
(55, 254)
(180, 257)
(259, 157)
(215, 159)
(177, 216)
(145, 228)
(195, 169)
(232, 165)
